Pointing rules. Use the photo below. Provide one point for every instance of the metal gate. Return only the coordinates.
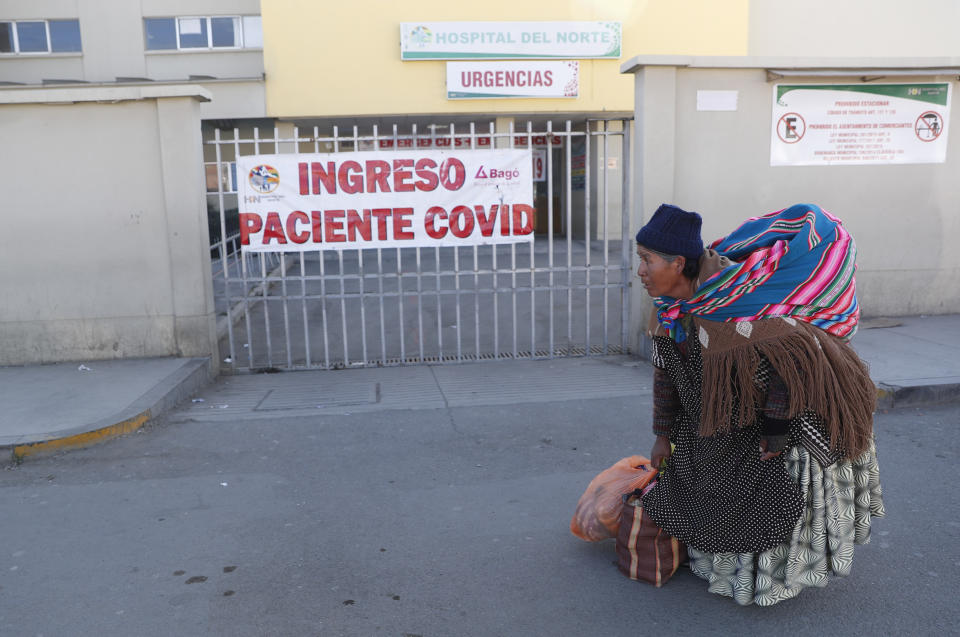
(562, 295)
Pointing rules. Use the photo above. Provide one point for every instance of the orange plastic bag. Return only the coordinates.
(598, 512)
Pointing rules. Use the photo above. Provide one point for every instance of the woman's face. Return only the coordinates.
(661, 277)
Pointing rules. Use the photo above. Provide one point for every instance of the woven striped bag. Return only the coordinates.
(644, 551)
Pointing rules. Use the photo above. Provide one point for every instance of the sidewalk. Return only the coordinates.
(47, 408)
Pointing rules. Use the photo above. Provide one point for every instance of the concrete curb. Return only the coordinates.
(890, 396)
(189, 378)
(195, 373)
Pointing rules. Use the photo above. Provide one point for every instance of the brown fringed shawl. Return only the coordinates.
(821, 372)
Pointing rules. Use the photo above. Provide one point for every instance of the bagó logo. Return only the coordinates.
(495, 173)
(421, 36)
(264, 179)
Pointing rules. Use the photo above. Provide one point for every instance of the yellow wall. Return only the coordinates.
(342, 58)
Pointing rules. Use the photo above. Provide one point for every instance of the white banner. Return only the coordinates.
(379, 199)
(508, 78)
(503, 40)
(830, 124)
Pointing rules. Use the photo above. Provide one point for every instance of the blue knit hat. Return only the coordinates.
(672, 230)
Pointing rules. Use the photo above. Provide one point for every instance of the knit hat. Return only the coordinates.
(673, 230)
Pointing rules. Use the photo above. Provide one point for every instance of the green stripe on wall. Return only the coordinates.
(461, 95)
(413, 55)
(931, 93)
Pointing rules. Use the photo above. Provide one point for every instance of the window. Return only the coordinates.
(32, 37)
(161, 33)
(40, 36)
(193, 33)
(225, 32)
(225, 179)
(203, 32)
(6, 37)
(64, 35)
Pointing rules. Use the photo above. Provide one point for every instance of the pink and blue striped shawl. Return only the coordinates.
(798, 262)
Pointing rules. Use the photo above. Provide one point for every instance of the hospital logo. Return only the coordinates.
(420, 36)
(264, 179)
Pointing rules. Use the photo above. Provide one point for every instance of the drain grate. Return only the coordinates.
(542, 354)
(289, 398)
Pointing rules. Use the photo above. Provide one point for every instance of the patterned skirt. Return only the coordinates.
(840, 502)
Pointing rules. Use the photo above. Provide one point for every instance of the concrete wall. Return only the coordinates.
(905, 218)
(854, 28)
(104, 254)
(233, 99)
(179, 65)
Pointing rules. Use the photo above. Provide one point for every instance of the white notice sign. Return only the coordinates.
(529, 78)
(716, 100)
(817, 124)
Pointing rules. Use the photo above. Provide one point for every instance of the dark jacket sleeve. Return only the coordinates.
(775, 421)
(666, 403)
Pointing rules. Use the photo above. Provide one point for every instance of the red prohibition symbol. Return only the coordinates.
(928, 126)
(790, 128)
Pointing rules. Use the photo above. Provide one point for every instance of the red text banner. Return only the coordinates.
(381, 199)
(464, 141)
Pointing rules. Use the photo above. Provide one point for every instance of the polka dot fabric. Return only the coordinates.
(715, 494)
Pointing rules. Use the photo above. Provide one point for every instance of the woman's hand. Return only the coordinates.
(660, 452)
(764, 454)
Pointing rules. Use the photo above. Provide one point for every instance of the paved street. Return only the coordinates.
(233, 518)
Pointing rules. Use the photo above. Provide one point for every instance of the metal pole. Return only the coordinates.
(403, 345)
(605, 163)
(456, 269)
(283, 272)
(569, 241)
(626, 257)
(308, 357)
(224, 257)
(586, 230)
(476, 272)
(243, 269)
(413, 134)
(551, 229)
(265, 284)
(513, 264)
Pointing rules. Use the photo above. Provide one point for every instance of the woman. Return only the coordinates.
(762, 412)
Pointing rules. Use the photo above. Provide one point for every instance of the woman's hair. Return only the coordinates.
(691, 267)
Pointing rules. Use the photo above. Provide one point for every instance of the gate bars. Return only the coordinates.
(310, 310)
